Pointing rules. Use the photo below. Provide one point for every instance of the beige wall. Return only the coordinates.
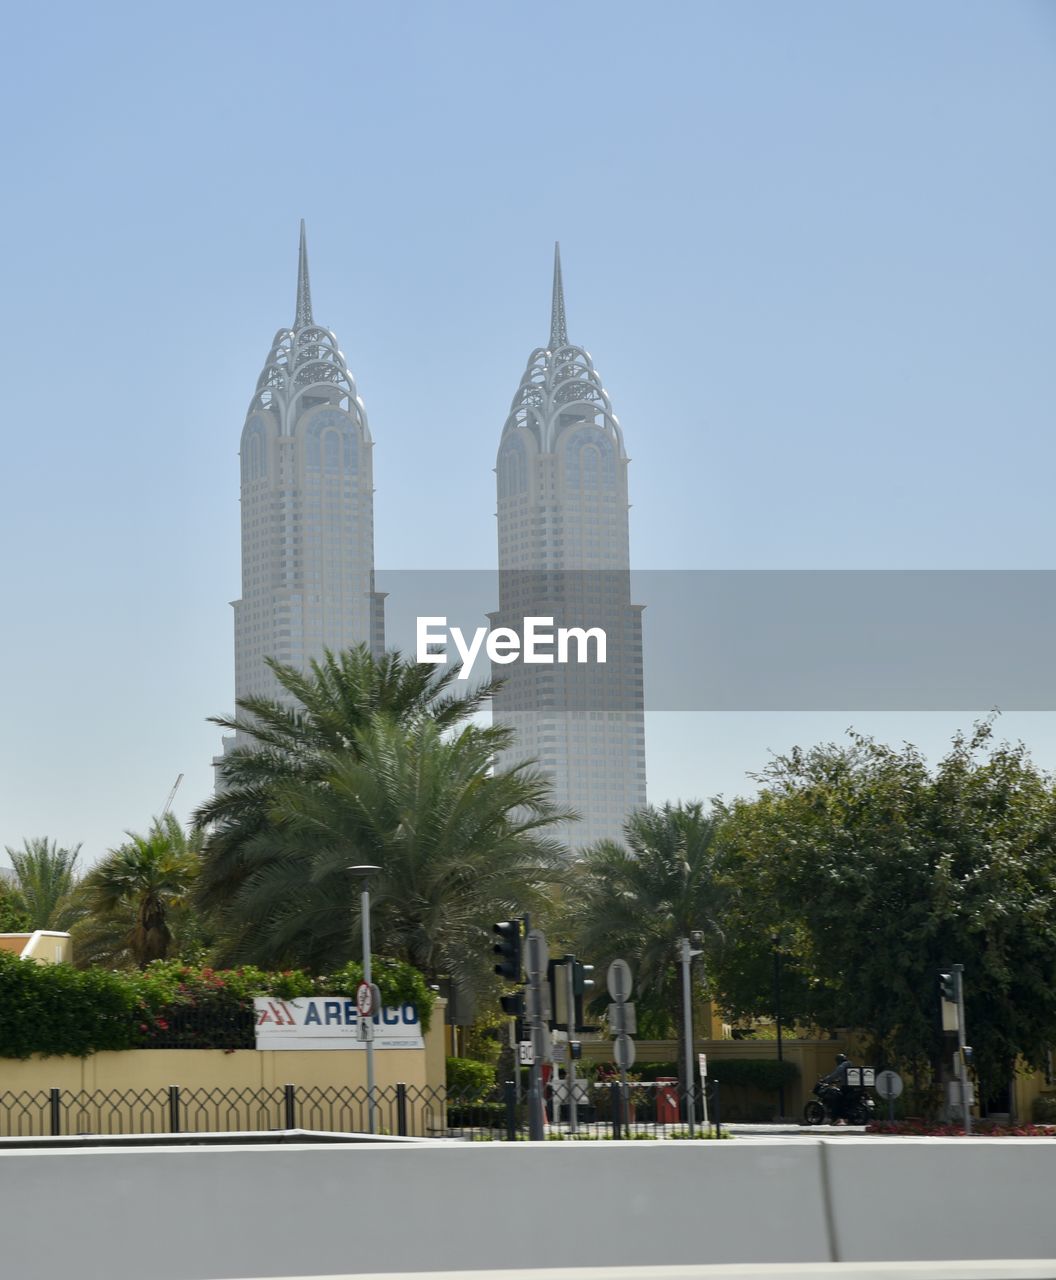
(126, 1092)
(44, 946)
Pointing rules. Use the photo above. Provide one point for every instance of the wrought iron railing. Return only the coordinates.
(605, 1110)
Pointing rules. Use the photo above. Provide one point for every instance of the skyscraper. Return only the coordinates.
(307, 507)
(564, 553)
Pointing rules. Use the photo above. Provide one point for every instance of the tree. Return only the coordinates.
(636, 900)
(880, 872)
(134, 894)
(294, 741)
(45, 875)
(13, 915)
(458, 843)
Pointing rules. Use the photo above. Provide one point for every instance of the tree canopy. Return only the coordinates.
(875, 872)
(374, 763)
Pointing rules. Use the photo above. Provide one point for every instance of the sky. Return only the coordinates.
(808, 245)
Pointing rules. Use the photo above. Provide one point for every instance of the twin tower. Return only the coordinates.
(308, 550)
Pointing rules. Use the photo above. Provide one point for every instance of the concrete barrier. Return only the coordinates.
(220, 1213)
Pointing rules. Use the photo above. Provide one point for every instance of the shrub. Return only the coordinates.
(1043, 1109)
(59, 1010)
(56, 1009)
(467, 1080)
(397, 982)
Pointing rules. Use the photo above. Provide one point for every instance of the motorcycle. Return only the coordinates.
(831, 1104)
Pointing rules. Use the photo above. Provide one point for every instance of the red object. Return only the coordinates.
(667, 1101)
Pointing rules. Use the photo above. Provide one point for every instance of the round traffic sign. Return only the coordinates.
(888, 1084)
(365, 999)
(619, 980)
(623, 1052)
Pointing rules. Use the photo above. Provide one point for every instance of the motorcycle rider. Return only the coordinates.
(835, 1096)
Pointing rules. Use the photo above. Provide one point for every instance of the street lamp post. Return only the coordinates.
(363, 873)
(686, 952)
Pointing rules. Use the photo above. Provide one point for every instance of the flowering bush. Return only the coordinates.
(918, 1128)
(56, 1009)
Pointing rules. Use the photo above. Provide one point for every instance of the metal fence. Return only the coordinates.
(601, 1111)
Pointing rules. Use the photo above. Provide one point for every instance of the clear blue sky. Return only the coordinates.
(810, 247)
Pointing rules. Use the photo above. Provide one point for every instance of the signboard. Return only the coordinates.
(618, 979)
(332, 1022)
(623, 1052)
(702, 1062)
(623, 1020)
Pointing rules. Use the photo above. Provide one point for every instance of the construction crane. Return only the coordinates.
(172, 794)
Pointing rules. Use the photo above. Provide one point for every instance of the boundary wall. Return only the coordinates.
(220, 1213)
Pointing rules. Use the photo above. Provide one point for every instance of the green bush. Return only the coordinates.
(56, 1009)
(477, 1115)
(397, 982)
(59, 1010)
(1043, 1109)
(468, 1080)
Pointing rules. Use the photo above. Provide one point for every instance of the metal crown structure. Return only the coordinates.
(560, 385)
(306, 364)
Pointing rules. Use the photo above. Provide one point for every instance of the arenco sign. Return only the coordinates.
(332, 1022)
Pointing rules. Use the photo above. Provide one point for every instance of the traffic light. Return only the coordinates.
(513, 1006)
(509, 948)
(948, 992)
(582, 985)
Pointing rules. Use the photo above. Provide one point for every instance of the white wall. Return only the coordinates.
(213, 1213)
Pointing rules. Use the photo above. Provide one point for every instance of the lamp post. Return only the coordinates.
(366, 1025)
(776, 941)
(687, 949)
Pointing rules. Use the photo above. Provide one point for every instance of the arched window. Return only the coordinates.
(590, 460)
(513, 468)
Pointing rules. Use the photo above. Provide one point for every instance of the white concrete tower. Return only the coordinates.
(564, 553)
(307, 507)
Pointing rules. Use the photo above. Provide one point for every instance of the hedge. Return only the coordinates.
(469, 1080)
(56, 1010)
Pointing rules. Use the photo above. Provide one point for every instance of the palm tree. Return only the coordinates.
(636, 901)
(133, 894)
(45, 876)
(293, 741)
(459, 845)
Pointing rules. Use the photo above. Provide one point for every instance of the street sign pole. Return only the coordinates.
(570, 1073)
(619, 982)
(537, 952)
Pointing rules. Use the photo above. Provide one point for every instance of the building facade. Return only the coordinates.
(564, 553)
(307, 493)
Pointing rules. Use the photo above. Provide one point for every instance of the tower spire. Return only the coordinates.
(558, 331)
(304, 288)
